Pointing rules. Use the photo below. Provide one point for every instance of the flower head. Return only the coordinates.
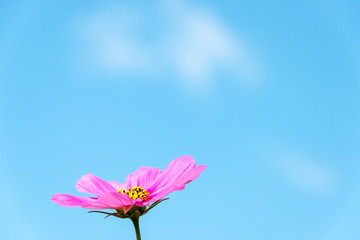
(144, 186)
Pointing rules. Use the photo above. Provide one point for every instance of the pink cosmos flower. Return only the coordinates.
(140, 188)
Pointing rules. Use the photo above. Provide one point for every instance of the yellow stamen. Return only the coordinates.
(135, 193)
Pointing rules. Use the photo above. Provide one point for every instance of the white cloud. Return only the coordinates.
(307, 174)
(202, 45)
(111, 43)
(191, 44)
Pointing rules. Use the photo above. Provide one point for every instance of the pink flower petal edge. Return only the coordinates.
(158, 184)
(94, 185)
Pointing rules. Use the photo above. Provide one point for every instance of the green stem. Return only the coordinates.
(137, 228)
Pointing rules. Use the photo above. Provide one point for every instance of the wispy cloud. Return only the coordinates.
(306, 173)
(173, 39)
(110, 44)
(201, 45)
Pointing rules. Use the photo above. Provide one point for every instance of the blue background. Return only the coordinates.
(265, 93)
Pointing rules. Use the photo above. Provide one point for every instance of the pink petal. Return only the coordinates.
(114, 200)
(116, 185)
(173, 172)
(94, 185)
(143, 177)
(189, 176)
(185, 174)
(176, 186)
(66, 200)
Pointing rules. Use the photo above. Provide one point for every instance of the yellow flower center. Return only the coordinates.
(135, 192)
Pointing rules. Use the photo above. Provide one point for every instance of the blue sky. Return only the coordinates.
(265, 93)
